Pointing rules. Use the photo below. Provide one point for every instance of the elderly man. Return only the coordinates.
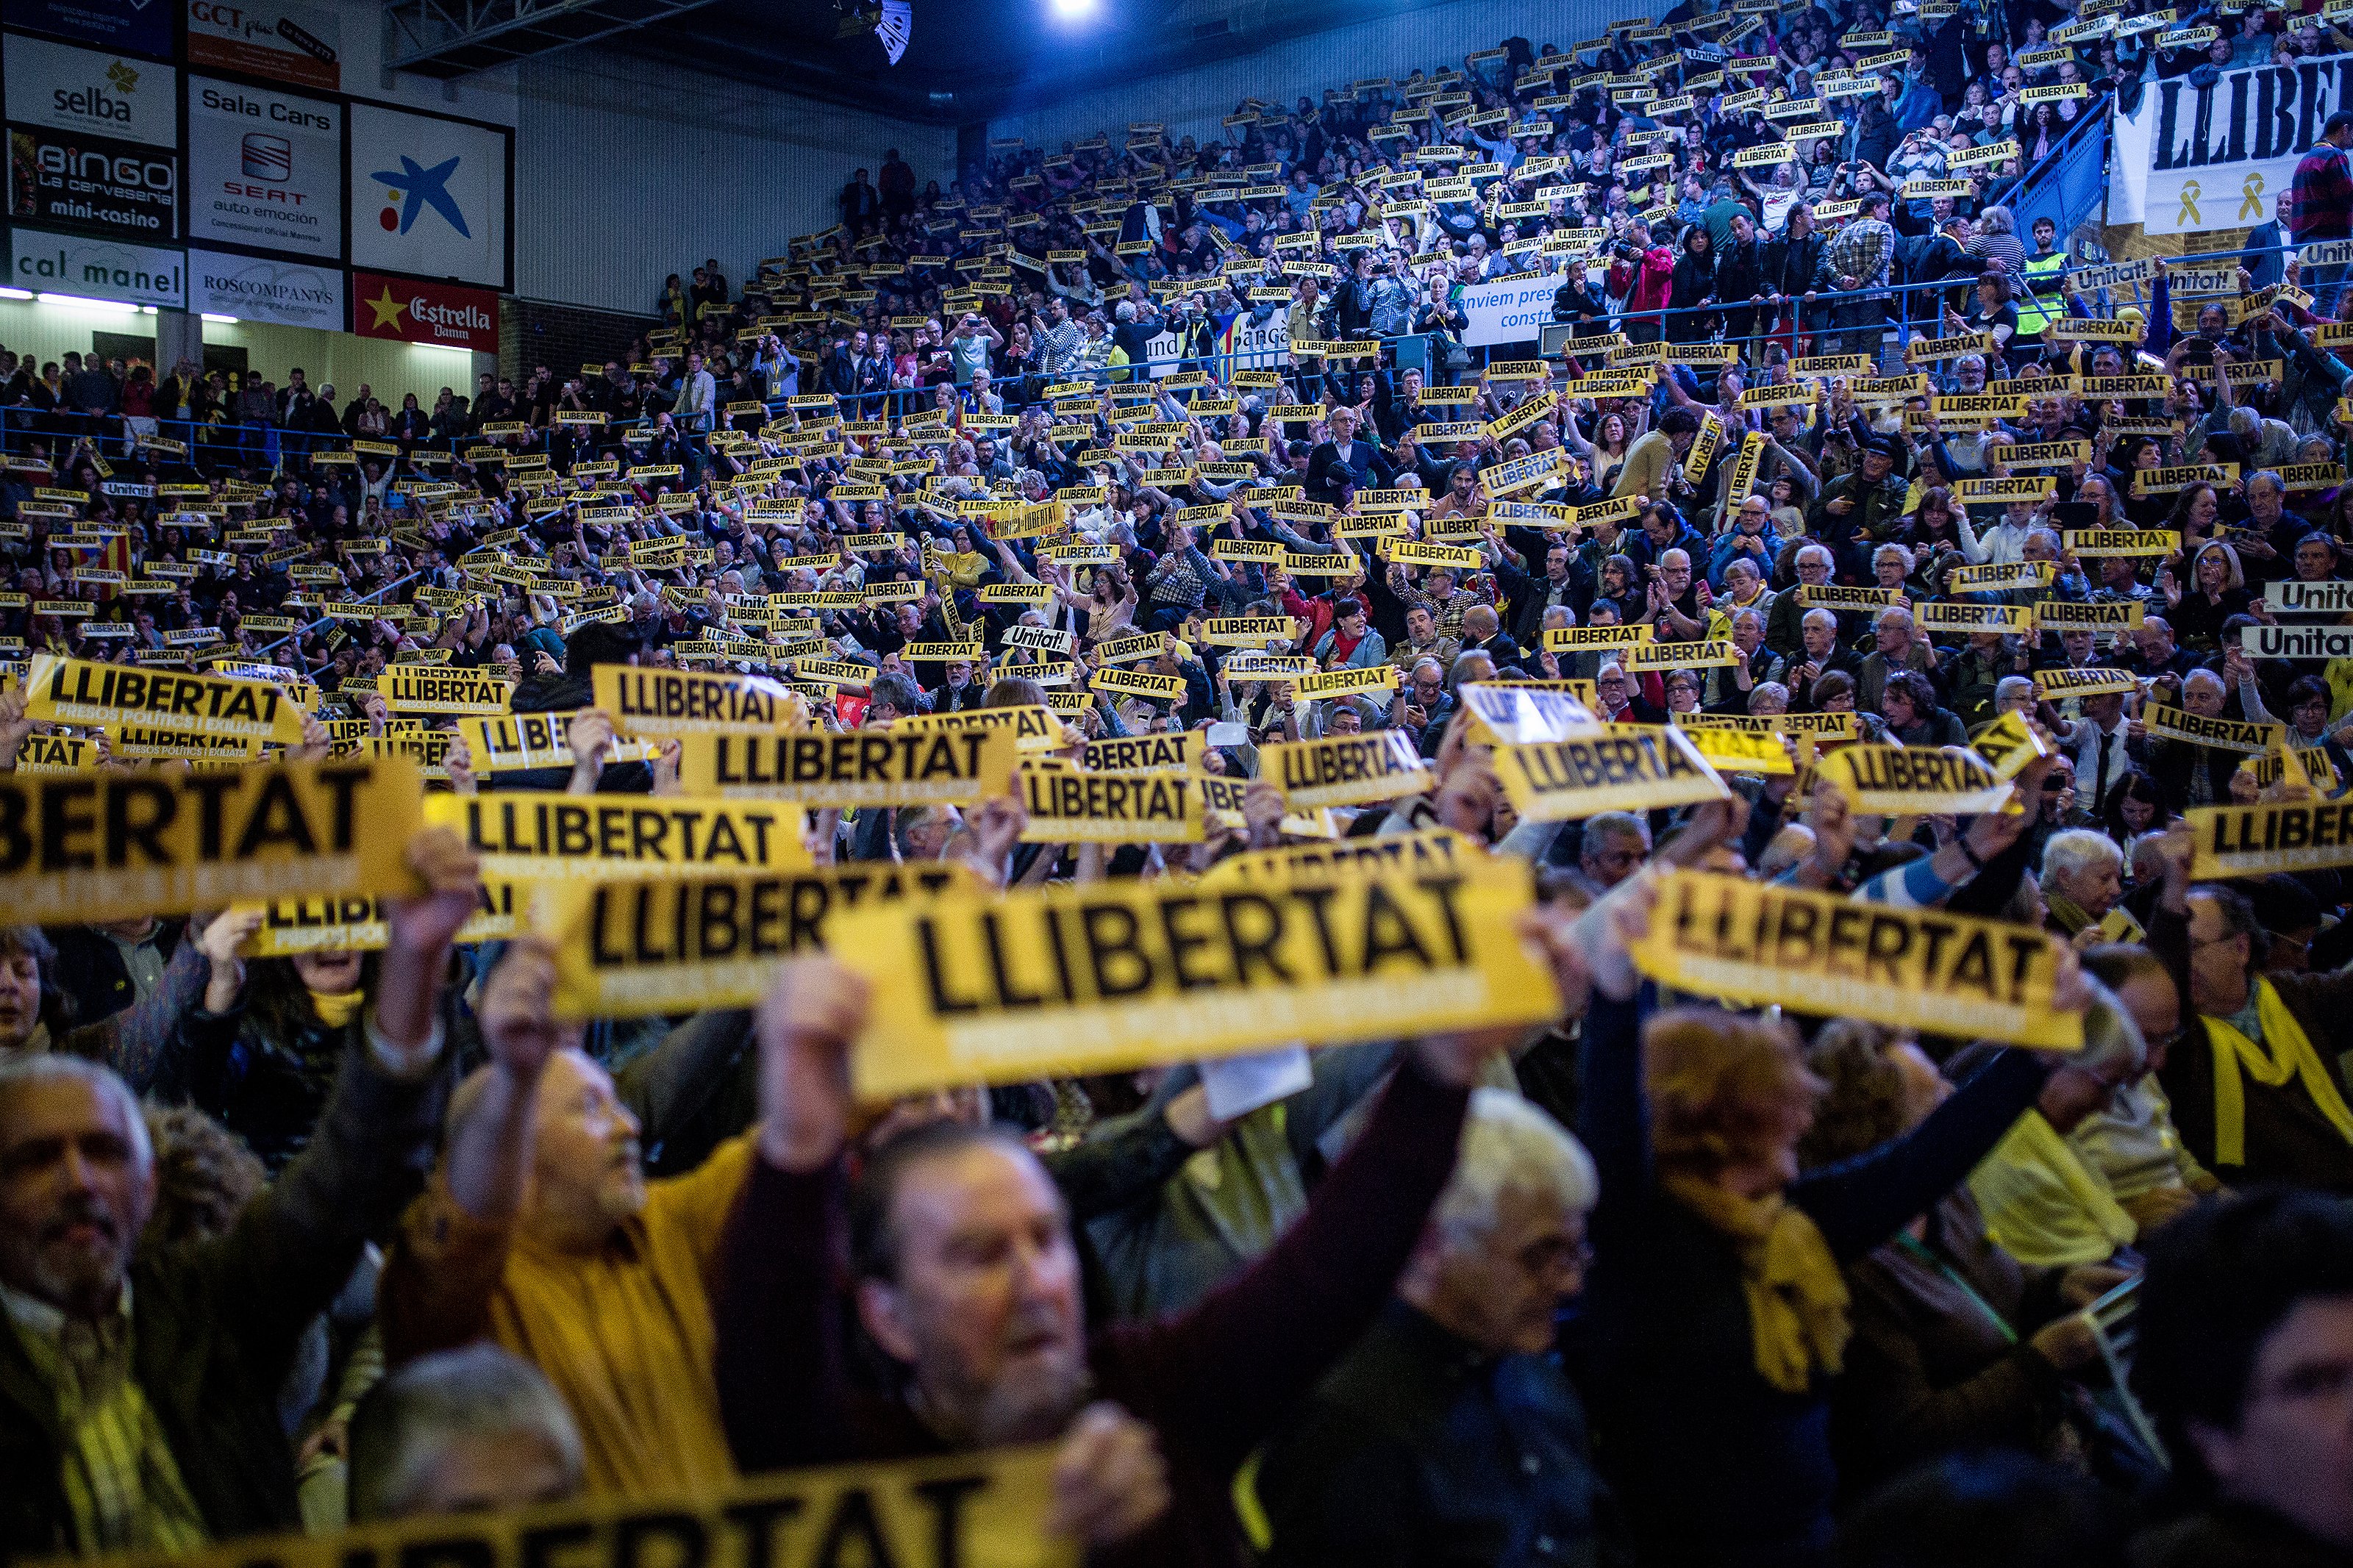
(1450, 1433)
(1821, 656)
(1898, 645)
(1785, 623)
(963, 1274)
(541, 1231)
(1614, 847)
(465, 1431)
(1861, 508)
(2187, 773)
(2082, 879)
(2255, 1087)
(2103, 748)
(139, 1391)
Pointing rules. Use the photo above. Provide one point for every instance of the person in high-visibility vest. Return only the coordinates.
(2038, 298)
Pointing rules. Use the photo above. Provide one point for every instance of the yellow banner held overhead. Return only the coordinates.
(2257, 840)
(408, 688)
(1035, 728)
(1914, 781)
(1178, 751)
(1112, 976)
(536, 836)
(77, 691)
(1757, 943)
(57, 754)
(290, 926)
(1346, 770)
(1614, 767)
(1069, 807)
(120, 845)
(628, 949)
(2009, 744)
(1730, 751)
(1514, 715)
(664, 704)
(865, 767)
(1434, 851)
(516, 743)
(2053, 685)
(989, 1509)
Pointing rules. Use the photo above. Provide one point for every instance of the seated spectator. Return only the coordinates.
(462, 1431)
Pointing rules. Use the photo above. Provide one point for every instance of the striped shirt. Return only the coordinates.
(121, 1484)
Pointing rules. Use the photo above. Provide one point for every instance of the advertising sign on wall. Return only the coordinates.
(428, 195)
(93, 182)
(294, 43)
(254, 289)
(265, 168)
(441, 313)
(89, 93)
(142, 26)
(97, 269)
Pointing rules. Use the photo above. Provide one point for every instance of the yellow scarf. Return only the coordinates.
(2042, 1204)
(336, 1009)
(1797, 1298)
(2285, 1053)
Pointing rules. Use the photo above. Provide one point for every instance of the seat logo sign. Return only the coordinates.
(410, 192)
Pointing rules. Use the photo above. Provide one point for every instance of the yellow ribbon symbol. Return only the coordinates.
(2253, 207)
(2190, 218)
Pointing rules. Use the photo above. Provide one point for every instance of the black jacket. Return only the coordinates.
(1790, 265)
(216, 1324)
(90, 968)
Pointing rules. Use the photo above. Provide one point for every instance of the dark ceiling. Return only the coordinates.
(967, 59)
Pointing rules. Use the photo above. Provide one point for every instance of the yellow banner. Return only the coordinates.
(1514, 715)
(2168, 723)
(1741, 750)
(2008, 745)
(1068, 806)
(515, 742)
(2079, 615)
(357, 925)
(1943, 615)
(1346, 770)
(119, 845)
(2121, 541)
(1035, 728)
(76, 691)
(864, 767)
(1112, 976)
(2052, 685)
(57, 754)
(630, 948)
(1914, 781)
(1345, 682)
(1616, 767)
(965, 1510)
(1436, 851)
(1178, 751)
(410, 690)
(1757, 943)
(527, 836)
(2257, 840)
(1138, 683)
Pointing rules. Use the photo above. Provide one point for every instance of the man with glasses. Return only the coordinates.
(1450, 1421)
(2257, 1096)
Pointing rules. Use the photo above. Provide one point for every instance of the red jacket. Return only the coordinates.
(1648, 291)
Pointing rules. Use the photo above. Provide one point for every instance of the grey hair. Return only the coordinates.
(478, 1391)
(1816, 551)
(2270, 477)
(1827, 617)
(1897, 551)
(1750, 613)
(1893, 613)
(1507, 1144)
(1617, 825)
(2078, 849)
(2011, 686)
(19, 1068)
(2112, 1038)
(1772, 691)
(1997, 220)
(2201, 676)
(2148, 855)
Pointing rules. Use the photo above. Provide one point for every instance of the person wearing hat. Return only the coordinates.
(1864, 504)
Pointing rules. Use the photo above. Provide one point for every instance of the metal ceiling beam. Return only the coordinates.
(457, 38)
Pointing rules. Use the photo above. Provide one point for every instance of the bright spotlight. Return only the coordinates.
(1072, 10)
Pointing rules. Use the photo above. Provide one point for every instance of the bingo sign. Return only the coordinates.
(1507, 311)
(447, 315)
(264, 169)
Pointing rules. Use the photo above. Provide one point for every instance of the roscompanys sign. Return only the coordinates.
(445, 314)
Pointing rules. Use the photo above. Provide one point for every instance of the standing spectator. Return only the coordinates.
(898, 186)
(2322, 205)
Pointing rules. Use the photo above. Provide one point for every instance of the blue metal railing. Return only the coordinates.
(2068, 183)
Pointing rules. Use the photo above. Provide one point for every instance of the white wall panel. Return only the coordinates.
(1194, 101)
(625, 173)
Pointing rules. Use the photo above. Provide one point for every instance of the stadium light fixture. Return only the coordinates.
(104, 307)
(1074, 10)
(223, 320)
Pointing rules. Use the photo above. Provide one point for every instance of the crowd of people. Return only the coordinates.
(365, 1233)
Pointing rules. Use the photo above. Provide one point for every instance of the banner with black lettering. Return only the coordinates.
(412, 688)
(122, 844)
(987, 1510)
(1914, 781)
(1616, 767)
(666, 704)
(289, 926)
(1434, 851)
(518, 743)
(2257, 840)
(864, 767)
(1755, 943)
(631, 949)
(1176, 752)
(1035, 728)
(2178, 724)
(538, 835)
(76, 691)
(1118, 975)
(1067, 805)
(1346, 770)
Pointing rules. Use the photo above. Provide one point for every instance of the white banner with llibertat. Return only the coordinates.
(2194, 158)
